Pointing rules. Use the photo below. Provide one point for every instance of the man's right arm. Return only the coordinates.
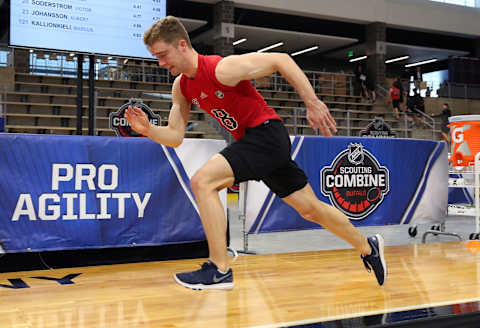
(171, 135)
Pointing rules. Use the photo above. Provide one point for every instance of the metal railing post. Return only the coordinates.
(94, 115)
(242, 205)
(295, 131)
(3, 109)
(348, 123)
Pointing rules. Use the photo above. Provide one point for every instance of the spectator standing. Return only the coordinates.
(444, 115)
(395, 95)
(417, 78)
(361, 81)
(398, 84)
(371, 90)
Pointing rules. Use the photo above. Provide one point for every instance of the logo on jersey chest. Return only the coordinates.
(219, 94)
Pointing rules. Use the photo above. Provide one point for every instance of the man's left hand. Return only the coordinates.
(319, 117)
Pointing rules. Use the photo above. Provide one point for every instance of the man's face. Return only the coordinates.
(170, 56)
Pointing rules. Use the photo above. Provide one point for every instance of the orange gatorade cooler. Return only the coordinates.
(464, 139)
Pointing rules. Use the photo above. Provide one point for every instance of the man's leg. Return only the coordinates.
(311, 208)
(445, 137)
(215, 175)
(395, 112)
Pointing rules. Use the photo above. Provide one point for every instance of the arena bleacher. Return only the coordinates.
(47, 104)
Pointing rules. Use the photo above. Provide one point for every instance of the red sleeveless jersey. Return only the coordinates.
(235, 108)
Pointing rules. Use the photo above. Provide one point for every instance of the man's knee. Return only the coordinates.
(205, 181)
(312, 211)
(199, 182)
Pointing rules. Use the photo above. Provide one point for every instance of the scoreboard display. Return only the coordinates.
(89, 26)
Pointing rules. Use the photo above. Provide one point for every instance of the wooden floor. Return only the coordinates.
(270, 290)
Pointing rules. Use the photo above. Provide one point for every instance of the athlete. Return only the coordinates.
(221, 87)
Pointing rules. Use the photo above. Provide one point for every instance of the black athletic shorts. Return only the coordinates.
(263, 153)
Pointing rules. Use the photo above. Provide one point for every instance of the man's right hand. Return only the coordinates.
(138, 120)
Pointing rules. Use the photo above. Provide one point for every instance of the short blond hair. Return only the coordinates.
(168, 29)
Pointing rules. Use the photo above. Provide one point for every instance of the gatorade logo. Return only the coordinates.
(355, 182)
(457, 135)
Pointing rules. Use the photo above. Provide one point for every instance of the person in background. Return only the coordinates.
(395, 96)
(398, 84)
(417, 78)
(371, 90)
(444, 115)
(428, 92)
(361, 81)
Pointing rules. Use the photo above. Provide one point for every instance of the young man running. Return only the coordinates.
(221, 87)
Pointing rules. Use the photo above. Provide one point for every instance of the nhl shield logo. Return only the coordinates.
(355, 153)
(219, 94)
(355, 182)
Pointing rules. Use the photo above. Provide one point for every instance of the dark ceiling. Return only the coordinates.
(265, 28)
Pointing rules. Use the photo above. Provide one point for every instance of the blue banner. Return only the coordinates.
(374, 181)
(70, 192)
(461, 195)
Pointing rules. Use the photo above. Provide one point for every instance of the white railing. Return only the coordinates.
(427, 121)
(404, 126)
(381, 91)
(110, 72)
(322, 82)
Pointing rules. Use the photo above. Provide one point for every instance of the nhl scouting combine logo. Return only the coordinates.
(119, 123)
(355, 183)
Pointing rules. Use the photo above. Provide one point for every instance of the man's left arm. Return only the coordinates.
(233, 69)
